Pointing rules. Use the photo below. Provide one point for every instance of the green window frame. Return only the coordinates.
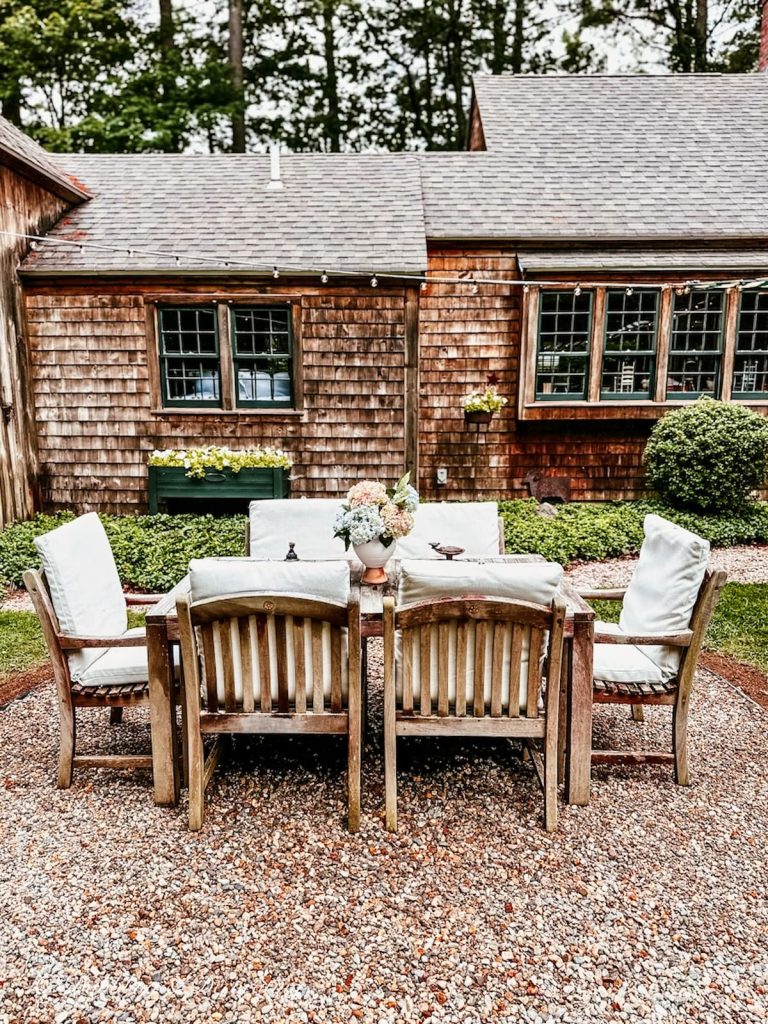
(696, 344)
(750, 360)
(190, 363)
(563, 345)
(262, 353)
(630, 333)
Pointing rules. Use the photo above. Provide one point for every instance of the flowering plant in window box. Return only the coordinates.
(372, 520)
(214, 472)
(480, 405)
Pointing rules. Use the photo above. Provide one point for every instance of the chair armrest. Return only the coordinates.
(78, 643)
(617, 594)
(681, 639)
(143, 598)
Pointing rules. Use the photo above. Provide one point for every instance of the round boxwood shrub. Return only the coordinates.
(709, 456)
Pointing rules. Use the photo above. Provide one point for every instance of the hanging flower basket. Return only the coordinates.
(480, 405)
(477, 416)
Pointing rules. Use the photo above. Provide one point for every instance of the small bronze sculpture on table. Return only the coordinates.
(448, 551)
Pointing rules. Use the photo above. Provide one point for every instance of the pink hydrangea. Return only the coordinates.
(398, 522)
(367, 492)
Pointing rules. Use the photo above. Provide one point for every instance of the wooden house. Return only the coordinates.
(586, 250)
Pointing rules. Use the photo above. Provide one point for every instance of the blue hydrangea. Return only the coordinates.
(360, 524)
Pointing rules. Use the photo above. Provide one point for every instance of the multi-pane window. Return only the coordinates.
(189, 356)
(695, 344)
(261, 342)
(195, 343)
(629, 343)
(562, 359)
(750, 362)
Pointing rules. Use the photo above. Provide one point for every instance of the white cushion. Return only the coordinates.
(622, 663)
(472, 525)
(85, 589)
(664, 587)
(426, 580)
(308, 522)
(218, 577)
(118, 666)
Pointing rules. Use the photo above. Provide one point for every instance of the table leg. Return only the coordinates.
(579, 752)
(162, 703)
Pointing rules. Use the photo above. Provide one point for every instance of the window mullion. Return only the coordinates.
(662, 343)
(729, 342)
(595, 368)
(224, 327)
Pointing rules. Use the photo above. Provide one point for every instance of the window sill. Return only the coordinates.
(624, 409)
(208, 411)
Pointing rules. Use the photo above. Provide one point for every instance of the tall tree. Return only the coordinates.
(235, 54)
(680, 35)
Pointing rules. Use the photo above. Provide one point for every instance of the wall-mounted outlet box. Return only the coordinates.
(442, 476)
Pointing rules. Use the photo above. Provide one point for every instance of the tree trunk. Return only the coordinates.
(166, 25)
(331, 84)
(11, 104)
(518, 39)
(499, 34)
(701, 33)
(235, 54)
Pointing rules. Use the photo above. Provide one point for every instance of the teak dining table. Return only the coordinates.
(163, 634)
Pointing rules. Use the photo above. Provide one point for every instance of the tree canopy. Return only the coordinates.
(122, 76)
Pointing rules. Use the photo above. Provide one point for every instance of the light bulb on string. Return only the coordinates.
(526, 289)
(374, 282)
(423, 286)
(630, 290)
(324, 278)
(275, 273)
(577, 290)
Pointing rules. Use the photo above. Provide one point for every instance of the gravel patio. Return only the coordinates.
(649, 905)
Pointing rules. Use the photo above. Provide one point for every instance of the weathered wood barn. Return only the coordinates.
(570, 251)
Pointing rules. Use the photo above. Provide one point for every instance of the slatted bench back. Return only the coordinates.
(271, 654)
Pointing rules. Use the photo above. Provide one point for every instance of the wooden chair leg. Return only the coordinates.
(562, 714)
(680, 743)
(66, 746)
(115, 716)
(353, 769)
(551, 742)
(196, 781)
(390, 726)
(637, 713)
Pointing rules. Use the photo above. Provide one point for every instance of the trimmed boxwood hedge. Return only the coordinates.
(152, 552)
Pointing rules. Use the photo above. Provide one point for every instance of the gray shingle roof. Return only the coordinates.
(335, 212)
(590, 159)
(25, 156)
(687, 260)
(608, 157)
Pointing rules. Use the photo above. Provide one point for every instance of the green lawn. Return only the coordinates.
(21, 640)
(739, 626)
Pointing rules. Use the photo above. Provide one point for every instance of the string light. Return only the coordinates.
(630, 290)
(423, 286)
(253, 265)
(324, 278)
(577, 290)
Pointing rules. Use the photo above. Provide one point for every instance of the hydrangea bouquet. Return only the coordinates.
(373, 512)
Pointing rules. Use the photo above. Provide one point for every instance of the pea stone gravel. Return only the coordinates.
(650, 905)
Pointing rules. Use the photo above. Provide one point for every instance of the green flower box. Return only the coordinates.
(169, 483)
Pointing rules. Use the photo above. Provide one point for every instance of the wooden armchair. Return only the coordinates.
(464, 655)
(650, 657)
(269, 647)
(98, 662)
